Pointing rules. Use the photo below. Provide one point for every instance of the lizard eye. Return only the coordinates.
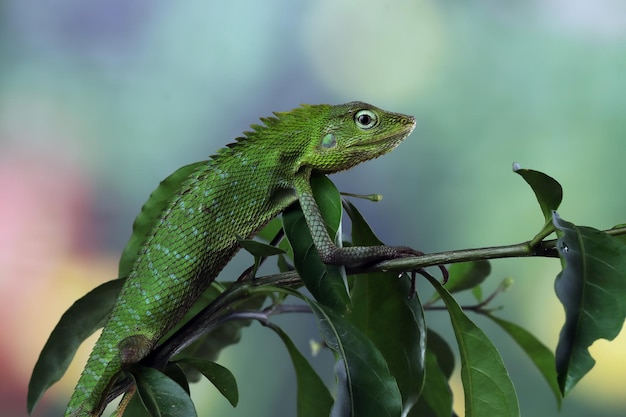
(366, 119)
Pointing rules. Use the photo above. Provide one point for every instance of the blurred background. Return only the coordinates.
(99, 101)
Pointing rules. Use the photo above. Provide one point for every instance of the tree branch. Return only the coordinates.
(545, 249)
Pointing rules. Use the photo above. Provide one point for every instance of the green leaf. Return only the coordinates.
(175, 372)
(366, 388)
(477, 292)
(442, 351)
(620, 237)
(549, 194)
(325, 282)
(161, 395)
(151, 212)
(135, 408)
(436, 398)
(80, 321)
(465, 276)
(542, 357)
(379, 299)
(259, 249)
(314, 399)
(592, 289)
(486, 383)
(219, 376)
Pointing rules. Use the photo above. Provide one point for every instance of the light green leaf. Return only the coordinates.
(80, 321)
(542, 357)
(486, 383)
(592, 288)
(314, 399)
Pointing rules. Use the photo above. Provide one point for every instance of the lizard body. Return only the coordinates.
(234, 193)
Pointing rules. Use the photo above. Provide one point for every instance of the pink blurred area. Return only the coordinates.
(47, 258)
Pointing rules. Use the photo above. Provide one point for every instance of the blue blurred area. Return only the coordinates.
(101, 100)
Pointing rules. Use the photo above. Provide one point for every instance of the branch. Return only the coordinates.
(546, 249)
(219, 310)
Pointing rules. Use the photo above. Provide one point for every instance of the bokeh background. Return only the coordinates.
(101, 100)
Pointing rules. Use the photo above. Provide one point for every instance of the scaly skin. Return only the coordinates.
(236, 192)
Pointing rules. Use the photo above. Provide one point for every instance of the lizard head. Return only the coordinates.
(345, 135)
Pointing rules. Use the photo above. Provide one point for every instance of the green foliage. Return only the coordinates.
(541, 356)
(160, 395)
(325, 282)
(389, 360)
(219, 376)
(380, 298)
(486, 383)
(80, 321)
(314, 399)
(592, 288)
(549, 195)
(366, 387)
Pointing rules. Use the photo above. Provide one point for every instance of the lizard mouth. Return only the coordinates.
(391, 140)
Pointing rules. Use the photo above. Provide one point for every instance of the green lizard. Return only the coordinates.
(234, 193)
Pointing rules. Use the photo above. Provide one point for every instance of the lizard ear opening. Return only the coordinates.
(329, 141)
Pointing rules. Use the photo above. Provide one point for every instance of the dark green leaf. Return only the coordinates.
(314, 399)
(465, 276)
(161, 395)
(283, 264)
(80, 321)
(328, 200)
(549, 194)
(592, 288)
(259, 249)
(542, 357)
(622, 237)
(151, 212)
(135, 408)
(379, 299)
(442, 351)
(486, 383)
(325, 282)
(219, 376)
(366, 387)
(436, 398)
(175, 372)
